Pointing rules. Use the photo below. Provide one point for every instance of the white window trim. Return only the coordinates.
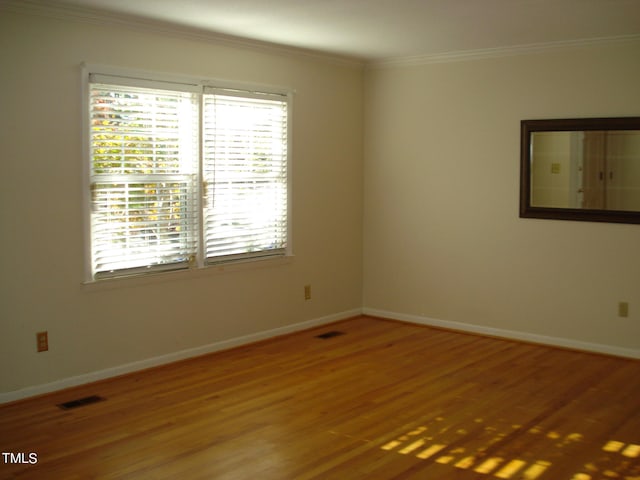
(152, 79)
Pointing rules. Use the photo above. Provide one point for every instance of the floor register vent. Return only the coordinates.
(80, 402)
(333, 333)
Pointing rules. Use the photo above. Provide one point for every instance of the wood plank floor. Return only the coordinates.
(385, 400)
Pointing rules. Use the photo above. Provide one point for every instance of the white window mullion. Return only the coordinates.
(201, 185)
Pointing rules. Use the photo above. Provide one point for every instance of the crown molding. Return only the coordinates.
(58, 9)
(65, 11)
(480, 54)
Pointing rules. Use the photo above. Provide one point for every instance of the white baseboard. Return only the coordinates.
(172, 357)
(508, 334)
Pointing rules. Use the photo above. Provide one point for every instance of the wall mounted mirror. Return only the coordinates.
(584, 169)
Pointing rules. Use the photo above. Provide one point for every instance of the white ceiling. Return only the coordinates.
(375, 30)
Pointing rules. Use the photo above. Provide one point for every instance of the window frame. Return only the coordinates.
(150, 79)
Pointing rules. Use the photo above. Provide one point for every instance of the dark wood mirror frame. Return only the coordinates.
(528, 127)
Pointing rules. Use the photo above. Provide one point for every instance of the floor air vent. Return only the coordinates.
(333, 333)
(80, 402)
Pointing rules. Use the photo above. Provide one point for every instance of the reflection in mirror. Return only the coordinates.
(582, 169)
(592, 169)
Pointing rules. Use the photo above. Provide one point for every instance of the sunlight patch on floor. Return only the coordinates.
(426, 443)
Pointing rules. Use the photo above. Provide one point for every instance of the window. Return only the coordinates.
(184, 175)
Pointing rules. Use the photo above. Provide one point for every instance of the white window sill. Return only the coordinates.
(185, 274)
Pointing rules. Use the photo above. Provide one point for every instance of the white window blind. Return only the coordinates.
(184, 176)
(245, 173)
(143, 146)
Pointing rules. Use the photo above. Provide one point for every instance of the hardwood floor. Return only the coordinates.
(385, 400)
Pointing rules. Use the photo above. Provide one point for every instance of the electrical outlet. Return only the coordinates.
(623, 309)
(307, 292)
(42, 341)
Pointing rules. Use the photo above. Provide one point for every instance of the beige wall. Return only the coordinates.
(98, 327)
(442, 236)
